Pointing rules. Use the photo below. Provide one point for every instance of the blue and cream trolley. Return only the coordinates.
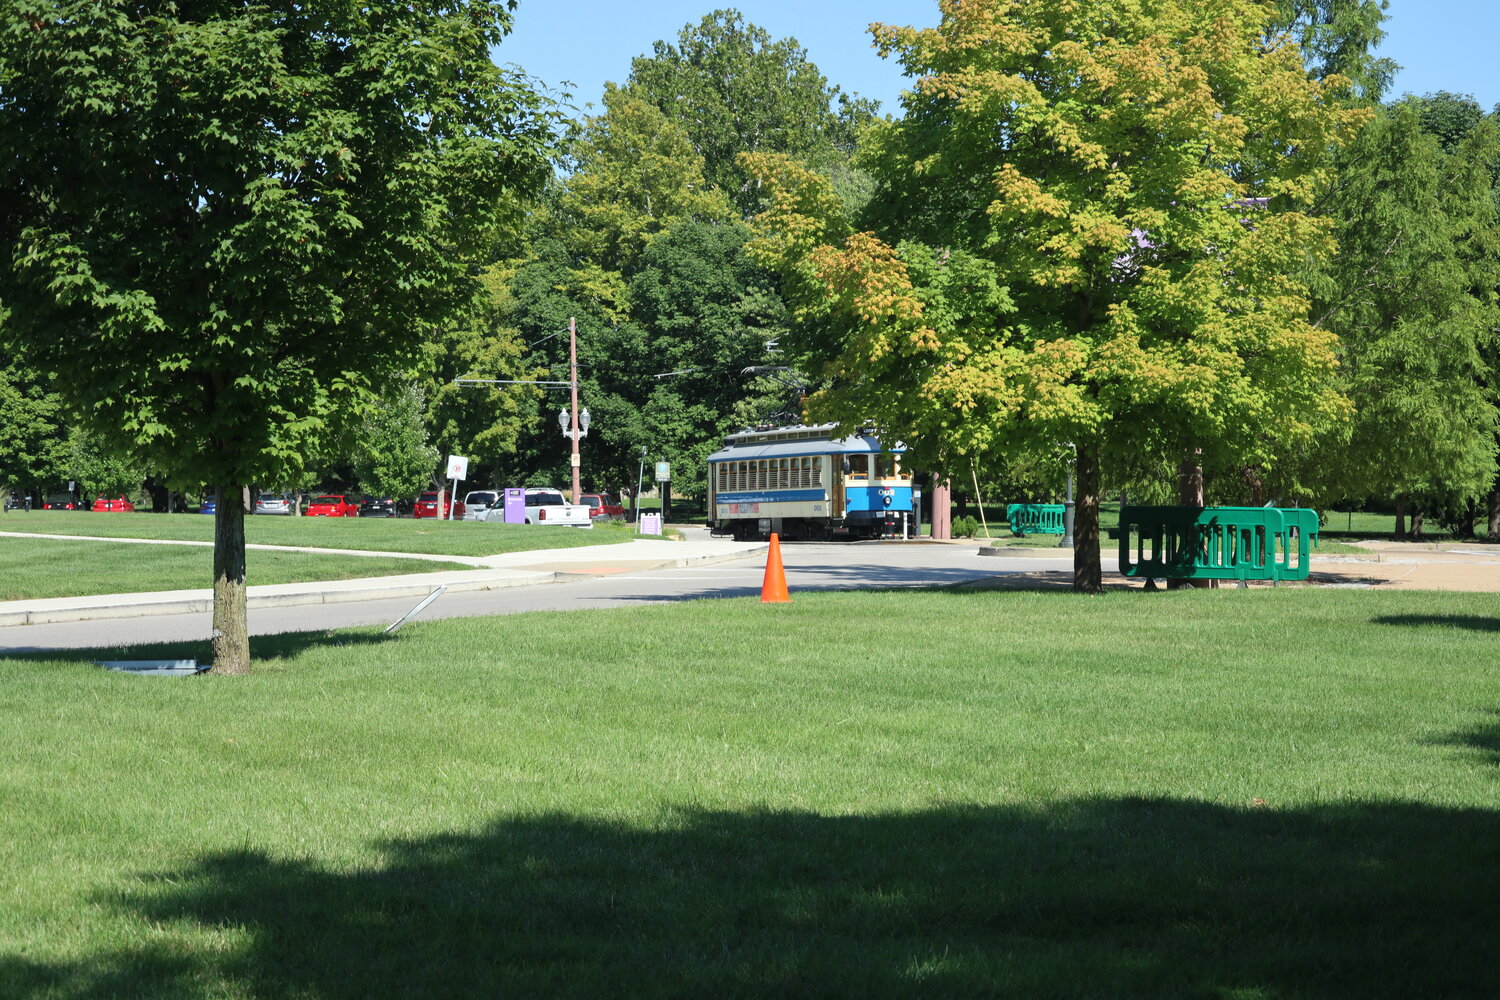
(801, 482)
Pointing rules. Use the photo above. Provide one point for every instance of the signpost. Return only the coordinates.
(458, 471)
(664, 481)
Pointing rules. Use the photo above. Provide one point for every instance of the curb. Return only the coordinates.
(347, 591)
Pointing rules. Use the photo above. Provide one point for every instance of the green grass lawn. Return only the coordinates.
(1228, 794)
(446, 538)
(33, 568)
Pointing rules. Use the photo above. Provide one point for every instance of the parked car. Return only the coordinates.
(113, 504)
(427, 506)
(603, 506)
(478, 503)
(548, 506)
(332, 505)
(208, 505)
(384, 507)
(63, 501)
(273, 503)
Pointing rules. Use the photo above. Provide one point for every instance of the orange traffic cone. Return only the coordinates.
(773, 590)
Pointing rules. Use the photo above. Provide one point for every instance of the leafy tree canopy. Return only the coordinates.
(1338, 37)
(1412, 298)
(635, 173)
(393, 457)
(734, 89)
(33, 430)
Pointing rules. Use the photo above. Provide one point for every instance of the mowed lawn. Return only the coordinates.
(379, 534)
(1266, 793)
(36, 568)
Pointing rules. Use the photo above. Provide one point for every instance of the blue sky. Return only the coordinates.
(1442, 44)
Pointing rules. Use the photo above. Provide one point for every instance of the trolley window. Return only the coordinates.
(859, 466)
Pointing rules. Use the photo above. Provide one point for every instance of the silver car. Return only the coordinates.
(477, 503)
(272, 503)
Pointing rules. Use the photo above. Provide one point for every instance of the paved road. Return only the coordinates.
(809, 567)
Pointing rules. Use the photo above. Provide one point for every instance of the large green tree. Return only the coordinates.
(392, 456)
(1340, 37)
(647, 255)
(226, 225)
(1084, 232)
(1412, 298)
(733, 89)
(101, 470)
(33, 430)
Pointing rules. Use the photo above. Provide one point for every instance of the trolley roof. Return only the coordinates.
(788, 442)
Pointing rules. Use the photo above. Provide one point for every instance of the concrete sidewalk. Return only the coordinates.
(514, 569)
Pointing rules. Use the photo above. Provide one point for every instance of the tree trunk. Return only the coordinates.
(1190, 494)
(231, 634)
(1495, 511)
(1254, 483)
(1087, 575)
(1400, 519)
(942, 508)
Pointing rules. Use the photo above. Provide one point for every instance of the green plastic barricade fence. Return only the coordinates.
(1035, 518)
(1217, 543)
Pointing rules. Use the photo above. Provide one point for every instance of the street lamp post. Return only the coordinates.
(573, 385)
(573, 429)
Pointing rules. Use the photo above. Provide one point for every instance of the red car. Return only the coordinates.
(113, 503)
(332, 505)
(427, 506)
(602, 507)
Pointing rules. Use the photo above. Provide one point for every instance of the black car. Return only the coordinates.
(64, 501)
(384, 507)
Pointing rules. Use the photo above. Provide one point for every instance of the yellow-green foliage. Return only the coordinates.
(638, 173)
(1063, 246)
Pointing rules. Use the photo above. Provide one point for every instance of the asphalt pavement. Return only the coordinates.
(647, 571)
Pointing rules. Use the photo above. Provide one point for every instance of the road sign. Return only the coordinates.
(663, 472)
(458, 467)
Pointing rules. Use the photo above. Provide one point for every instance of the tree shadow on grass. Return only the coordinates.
(262, 647)
(1484, 738)
(1479, 623)
(1089, 898)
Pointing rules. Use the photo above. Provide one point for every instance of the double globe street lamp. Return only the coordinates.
(574, 430)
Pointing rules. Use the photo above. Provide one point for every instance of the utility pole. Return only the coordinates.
(573, 386)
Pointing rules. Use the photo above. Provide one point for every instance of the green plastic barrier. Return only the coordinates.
(1035, 518)
(1217, 543)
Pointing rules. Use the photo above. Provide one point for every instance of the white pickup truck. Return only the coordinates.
(544, 506)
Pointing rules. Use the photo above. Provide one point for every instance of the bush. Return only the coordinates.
(965, 527)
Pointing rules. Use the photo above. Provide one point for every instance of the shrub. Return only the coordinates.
(965, 527)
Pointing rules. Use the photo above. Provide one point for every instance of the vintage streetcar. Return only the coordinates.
(802, 483)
